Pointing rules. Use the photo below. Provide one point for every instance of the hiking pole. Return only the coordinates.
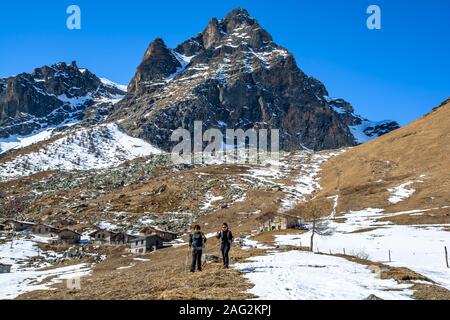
(187, 259)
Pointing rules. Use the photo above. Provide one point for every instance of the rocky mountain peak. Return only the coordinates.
(158, 63)
(237, 23)
(61, 78)
(212, 34)
(157, 47)
(238, 17)
(233, 75)
(53, 95)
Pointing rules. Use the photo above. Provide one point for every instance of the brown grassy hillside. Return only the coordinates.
(420, 152)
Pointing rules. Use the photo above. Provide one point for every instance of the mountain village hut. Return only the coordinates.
(145, 244)
(102, 236)
(275, 222)
(5, 268)
(121, 238)
(69, 236)
(45, 230)
(167, 236)
(107, 237)
(17, 226)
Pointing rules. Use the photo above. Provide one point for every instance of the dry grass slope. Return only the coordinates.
(420, 151)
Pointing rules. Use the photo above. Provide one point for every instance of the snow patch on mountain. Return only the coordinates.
(19, 142)
(112, 84)
(364, 132)
(101, 146)
(70, 112)
(28, 275)
(401, 192)
(417, 247)
(298, 275)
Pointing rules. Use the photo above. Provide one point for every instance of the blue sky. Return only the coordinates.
(399, 72)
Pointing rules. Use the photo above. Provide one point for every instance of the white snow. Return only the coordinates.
(339, 110)
(113, 84)
(16, 283)
(209, 201)
(26, 275)
(183, 60)
(306, 182)
(298, 275)
(358, 130)
(146, 221)
(248, 244)
(75, 101)
(99, 147)
(71, 118)
(126, 267)
(19, 142)
(401, 192)
(302, 168)
(417, 247)
(105, 225)
(141, 259)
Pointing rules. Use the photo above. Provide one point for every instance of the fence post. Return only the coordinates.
(344, 252)
(446, 257)
(390, 259)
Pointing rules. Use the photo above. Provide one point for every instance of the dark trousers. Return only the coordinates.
(225, 248)
(196, 259)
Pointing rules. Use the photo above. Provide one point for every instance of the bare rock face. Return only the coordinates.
(159, 62)
(51, 96)
(232, 75)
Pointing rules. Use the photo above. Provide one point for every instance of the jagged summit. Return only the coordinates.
(235, 23)
(233, 75)
(51, 96)
(238, 13)
(158, 63)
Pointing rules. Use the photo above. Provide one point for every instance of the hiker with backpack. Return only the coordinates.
(197, 242)
(226, 238)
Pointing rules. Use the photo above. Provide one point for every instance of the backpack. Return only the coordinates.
(197, 240)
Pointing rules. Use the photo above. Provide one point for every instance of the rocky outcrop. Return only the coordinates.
(232, 75)
(158, 63)
(361, 128)
(50, 96)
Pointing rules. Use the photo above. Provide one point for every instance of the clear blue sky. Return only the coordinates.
(399, 73)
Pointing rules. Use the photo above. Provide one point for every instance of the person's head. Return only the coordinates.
(197, 228)
(225, 226)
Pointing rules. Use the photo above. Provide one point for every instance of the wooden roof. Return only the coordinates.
(74, 232)
(92, 234)
(17, 221)
(45, 225)
(5, 265)
(143, 230)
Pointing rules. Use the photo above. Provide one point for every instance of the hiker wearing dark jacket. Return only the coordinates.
(197, 242)
(226, 238)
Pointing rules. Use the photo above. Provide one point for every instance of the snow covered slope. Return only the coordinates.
(101, 146)
(369, 130)
(362, 130)
(33, 105)
(298, 275)
(417, 247)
